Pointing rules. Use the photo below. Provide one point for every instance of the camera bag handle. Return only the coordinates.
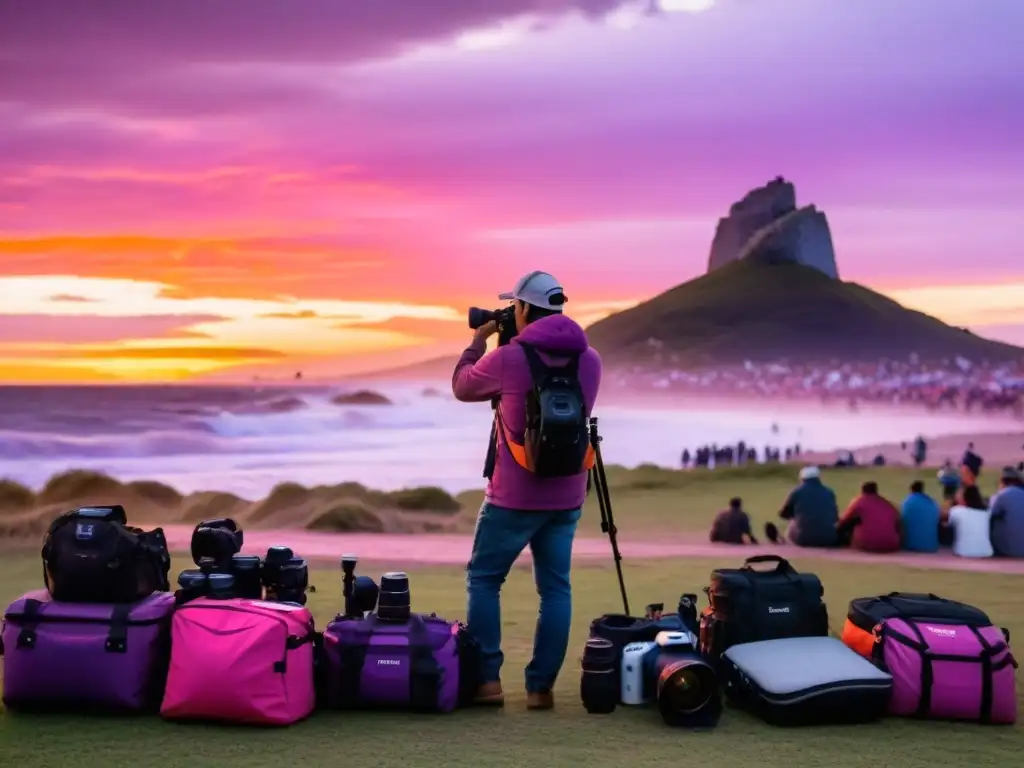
(913, 596)
(782, 565)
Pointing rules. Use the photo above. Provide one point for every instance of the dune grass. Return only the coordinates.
(567, 736)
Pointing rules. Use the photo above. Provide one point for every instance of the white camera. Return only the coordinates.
(636, 672)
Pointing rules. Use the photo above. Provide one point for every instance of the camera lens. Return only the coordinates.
(246, 570)
(192, 583)
(599, 685)
(222, 585)
(687, 691)
(478, 317)
(393, 603)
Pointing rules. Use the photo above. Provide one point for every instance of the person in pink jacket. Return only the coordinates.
(522, 508)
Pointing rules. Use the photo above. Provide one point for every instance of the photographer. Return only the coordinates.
(527, 504)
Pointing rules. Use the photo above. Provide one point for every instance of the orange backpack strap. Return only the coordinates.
(518, 450)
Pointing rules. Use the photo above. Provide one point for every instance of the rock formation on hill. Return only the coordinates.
(766, 225)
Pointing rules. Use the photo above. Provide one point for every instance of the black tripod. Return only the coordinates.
(599, 481)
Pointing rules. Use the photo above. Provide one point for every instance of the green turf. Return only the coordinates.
(567, 736)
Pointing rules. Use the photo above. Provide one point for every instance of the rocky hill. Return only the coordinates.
(764, 311)
(767, 225)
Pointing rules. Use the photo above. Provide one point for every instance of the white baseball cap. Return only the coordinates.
(539, 289)
(810, 473)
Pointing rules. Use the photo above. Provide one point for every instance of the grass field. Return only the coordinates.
(650, 502)
(567, 736)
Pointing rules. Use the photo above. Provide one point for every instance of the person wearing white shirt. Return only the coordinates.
(970, 520)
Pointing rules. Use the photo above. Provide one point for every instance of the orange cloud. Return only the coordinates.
(305, 314)
(432, 330)
(34, 373)
(176, 353)
(242, 267)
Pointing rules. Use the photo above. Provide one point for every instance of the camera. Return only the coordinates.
(360, 592)
(670, 672)
(505, 319)
(223, 571)
(285, 576)
(215, 542)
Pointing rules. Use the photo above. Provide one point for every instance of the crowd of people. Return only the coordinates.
(738, 455)
(956, 384)
(962, 520)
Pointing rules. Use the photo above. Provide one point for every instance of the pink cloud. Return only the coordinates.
(92, 329)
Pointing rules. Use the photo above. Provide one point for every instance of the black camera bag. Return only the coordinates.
(747, 605)
(91, 555)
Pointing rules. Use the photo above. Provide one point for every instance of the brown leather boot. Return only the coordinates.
(539, 700)
(490, 695)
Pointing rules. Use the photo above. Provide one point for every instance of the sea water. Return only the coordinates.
(247, 439)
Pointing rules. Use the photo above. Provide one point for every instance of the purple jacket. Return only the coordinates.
(504, 372)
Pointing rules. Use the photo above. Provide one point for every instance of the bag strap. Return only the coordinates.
(782, 565)
(913, 596)
(352, 659)
(117, 637)
(424, 672)
(29, 621)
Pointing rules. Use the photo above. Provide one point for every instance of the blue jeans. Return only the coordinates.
(501, 535)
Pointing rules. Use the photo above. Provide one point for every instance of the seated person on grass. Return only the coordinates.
(871, 523)
(1007, 508)
(920, 515)
(732, 525)
(969, 524)
(965, 495)
(812, 512)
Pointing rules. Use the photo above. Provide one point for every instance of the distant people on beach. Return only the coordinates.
(714, 456)
(954, 384)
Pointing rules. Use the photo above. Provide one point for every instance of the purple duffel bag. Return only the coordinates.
(59, 655)
(410, 665)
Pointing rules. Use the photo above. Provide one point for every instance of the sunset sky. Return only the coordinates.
(223, 188)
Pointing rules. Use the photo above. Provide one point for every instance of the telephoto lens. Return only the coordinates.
(192, 583)
(599, 685)
(393, 601)
(248, 577)
(222, 585)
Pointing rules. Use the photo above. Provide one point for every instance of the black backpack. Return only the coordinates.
(92, 555)
(557, 435)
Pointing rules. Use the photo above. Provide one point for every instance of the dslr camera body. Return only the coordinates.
(504, 318)
(671, 673)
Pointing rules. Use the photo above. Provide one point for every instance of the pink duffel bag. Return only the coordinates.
(240, 661)
(948, 671)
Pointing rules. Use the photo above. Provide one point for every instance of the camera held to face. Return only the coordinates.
(505, 319)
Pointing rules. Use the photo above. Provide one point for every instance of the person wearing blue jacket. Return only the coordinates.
(921, 515)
